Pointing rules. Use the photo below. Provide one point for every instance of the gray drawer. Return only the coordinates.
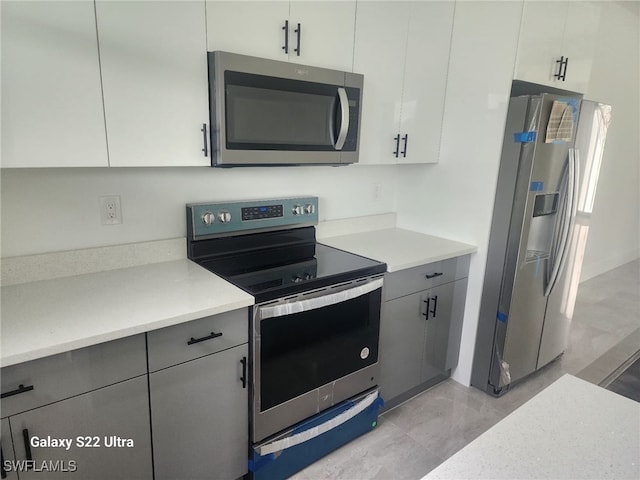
(412, 280)
(170, 346)
(71, 373)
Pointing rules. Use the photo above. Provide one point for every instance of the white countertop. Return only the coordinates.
(53, 316)
(398, 248)
(572, 429)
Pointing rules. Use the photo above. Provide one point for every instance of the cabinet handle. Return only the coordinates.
(405, 139)
(243, 378)
(21, 389)
(3, 472)
(205, 150)
(299, 32)
(27, 448)
(434, 275)
(208, 337)
(435, 306)
(426, 312)
(397, 139)
(286, 37)
(563, 62)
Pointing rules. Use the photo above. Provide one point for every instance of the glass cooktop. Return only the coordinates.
(270, 266)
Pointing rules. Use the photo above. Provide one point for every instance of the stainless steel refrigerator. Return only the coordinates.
(551, 157)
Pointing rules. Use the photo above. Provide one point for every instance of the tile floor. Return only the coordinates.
(418, 435)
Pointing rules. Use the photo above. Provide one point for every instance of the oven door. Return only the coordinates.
(313, 351)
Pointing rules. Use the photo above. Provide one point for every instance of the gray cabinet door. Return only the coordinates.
(420, 337)
(199, 414)
(438, 322)
(402, 341)
(7, 451)
(96, 418)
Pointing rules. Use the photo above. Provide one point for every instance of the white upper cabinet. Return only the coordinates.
(311, 33)
(248, 28)
(425, 80)
(556, 44)
(402, 48)
(154, 74)
(52, 113)
(325, 35)
(381, 59)
(579, 43)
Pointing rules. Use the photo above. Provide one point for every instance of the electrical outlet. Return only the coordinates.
(377, 190)
(110, 210)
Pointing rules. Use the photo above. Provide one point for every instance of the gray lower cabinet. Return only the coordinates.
(199, 416)
(95, 398)
(420, 327)
(107, 430)
(6, 472)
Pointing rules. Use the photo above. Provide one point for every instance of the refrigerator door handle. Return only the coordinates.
(567, 221)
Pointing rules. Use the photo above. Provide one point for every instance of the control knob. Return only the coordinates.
(208, 218)
(224, 217)
(309, 208)
(298, 210)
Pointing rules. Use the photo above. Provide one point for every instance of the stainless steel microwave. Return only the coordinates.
(267, 112)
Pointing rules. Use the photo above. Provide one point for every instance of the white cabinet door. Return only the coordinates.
(326, 33)
(579, 43)
(52, 113)
(258, 29)
(154, 73)
(540, 42)
(425, 80)
(248, 28)
(554, 30)
(379, 50)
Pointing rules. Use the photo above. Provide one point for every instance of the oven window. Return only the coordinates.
(303, 351)
(266, 113)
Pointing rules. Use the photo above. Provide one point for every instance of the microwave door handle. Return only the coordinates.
(344, 118)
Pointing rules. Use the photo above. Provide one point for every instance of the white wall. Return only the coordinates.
(46, 210)
(614, 236)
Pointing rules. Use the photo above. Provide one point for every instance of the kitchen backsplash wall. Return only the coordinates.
(46, 210)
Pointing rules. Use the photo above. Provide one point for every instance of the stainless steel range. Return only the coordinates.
(315, 326)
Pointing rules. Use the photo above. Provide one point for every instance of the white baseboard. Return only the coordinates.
(609, 263)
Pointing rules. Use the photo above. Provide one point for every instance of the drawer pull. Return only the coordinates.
(434, 275)
(21, 389)
(208, 337)
(27, 448)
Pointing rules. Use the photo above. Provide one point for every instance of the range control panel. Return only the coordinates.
(229, 218)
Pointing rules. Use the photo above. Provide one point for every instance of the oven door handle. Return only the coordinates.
(318, 302)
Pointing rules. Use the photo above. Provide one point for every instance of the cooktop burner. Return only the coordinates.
(270, 263)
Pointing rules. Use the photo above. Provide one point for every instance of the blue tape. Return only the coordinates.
(535, 275)
(502, 317)
(377, 403)
(254, 466)
(573, 103)
(536, 186)
(524, 137)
